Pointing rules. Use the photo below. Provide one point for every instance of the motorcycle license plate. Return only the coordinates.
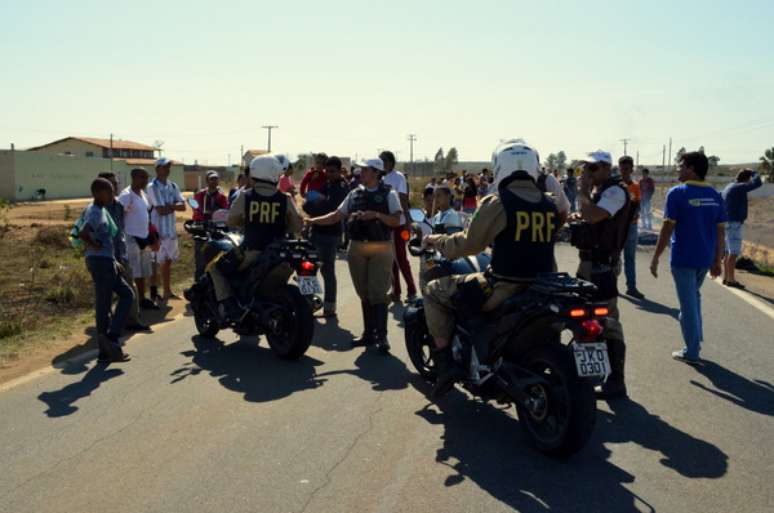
(591, 360)
(309, 285)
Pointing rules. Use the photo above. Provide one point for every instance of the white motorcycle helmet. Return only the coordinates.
(266, 168)
(511, 156)
(284, 161)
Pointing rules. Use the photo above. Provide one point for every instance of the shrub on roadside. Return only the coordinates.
(60, 295)
(53, 236)
(10, 328)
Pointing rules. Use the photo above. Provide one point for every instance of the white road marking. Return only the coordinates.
(750, 300)
(45, 371)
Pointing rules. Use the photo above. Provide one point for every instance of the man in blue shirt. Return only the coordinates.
(116, 211)
(735, 197)
(694, 223)
(98, 234)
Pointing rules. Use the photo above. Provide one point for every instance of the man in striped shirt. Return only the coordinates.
(165, 199)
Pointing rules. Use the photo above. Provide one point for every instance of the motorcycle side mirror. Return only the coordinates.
(193, 203)
(415, 251)
(416, 215)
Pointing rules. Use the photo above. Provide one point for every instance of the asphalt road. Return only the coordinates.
(191, 426)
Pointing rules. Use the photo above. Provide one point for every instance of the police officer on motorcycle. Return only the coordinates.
(520, 222)
(266, 215)
(605, 213)
(372, 211)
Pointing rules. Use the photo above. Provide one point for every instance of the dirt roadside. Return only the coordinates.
(46, 295)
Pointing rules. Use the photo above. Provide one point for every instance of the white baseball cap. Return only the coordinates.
(212, 174)
(599, 156)
(163, 161)
(374, 163)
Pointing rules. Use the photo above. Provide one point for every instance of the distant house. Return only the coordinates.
(250, 155)
(66, 167)
(134, 153)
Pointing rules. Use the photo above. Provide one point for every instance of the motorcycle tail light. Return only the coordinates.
(405, 235)
(576, 313)
(307, 266)
(591, 330)
(601, 311)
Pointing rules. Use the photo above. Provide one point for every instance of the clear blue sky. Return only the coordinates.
(349, 77)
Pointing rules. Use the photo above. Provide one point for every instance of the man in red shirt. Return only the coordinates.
(209, 199)
(647, 188)
(314, 179)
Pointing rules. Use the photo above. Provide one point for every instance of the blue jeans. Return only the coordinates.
(688, 281)
(645, 213)
(327, 246)
(630, 254)
(571, 199)
(106, 282)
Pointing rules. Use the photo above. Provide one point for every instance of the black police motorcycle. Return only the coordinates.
(285, 316)
(540, 350)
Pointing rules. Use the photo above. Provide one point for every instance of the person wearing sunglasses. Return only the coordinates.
(605, 210)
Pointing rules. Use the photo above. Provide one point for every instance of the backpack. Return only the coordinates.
(75, 232)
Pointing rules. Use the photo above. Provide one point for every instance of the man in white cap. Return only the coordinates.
(209, 199)
(605, 208)
(373, 211)
(165, 199)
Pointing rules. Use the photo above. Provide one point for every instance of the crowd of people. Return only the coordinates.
(131, 239)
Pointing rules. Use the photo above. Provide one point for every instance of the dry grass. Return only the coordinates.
(45, 289)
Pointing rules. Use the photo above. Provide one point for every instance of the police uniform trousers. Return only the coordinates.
(370, 265)
(613, 332)
(275, 279)
(439, 303)
(613, 327)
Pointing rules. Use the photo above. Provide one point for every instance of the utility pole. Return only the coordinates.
(269, 128)
(111, 152)
(663, 158)
(626, 144)
(241, 156)
(670, 153)
(412, 139)
(638, 158)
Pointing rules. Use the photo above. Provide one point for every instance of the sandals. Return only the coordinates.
(734, 284)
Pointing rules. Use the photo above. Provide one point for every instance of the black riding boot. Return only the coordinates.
(230, 309)
(380, 314)
(367, 338)
(615, 387)
(447, 372)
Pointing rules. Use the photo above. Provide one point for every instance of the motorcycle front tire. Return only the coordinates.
(204, 313)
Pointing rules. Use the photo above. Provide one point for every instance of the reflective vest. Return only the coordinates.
(609, 236)
(265, 219)
(526, 246)
(377, 201)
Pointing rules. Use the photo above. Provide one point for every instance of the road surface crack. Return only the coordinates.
(344, 458)
(96, 442)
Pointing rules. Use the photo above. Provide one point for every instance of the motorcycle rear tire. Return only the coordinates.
(576, 411)
(293, 342)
